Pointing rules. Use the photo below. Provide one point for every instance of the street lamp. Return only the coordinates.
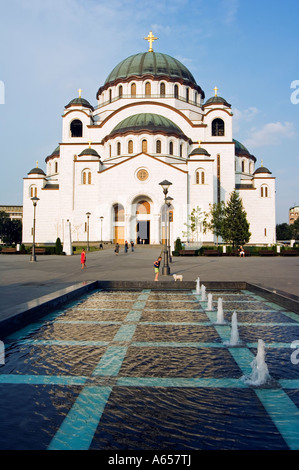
(88, 215)
(101, 218)
(168, 202)
(165, 186)
(34, 201)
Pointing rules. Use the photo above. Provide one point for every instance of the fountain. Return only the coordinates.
(234, 337)
(210, 303)
(260, 374)
(220, 316)
(203, 293)
(197, 286)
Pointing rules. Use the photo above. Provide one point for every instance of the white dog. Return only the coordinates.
(178, 277)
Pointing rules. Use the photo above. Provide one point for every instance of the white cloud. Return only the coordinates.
(272, 133)
(243, 116)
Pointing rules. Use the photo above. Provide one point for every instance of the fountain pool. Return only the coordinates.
(149, 370)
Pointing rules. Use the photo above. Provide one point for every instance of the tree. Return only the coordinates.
(214, 219)
(283, 231)
(10, 229)
(194, 227)
(235, 224)
(295, 230)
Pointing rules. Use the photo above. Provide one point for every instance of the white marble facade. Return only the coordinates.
(152, 122)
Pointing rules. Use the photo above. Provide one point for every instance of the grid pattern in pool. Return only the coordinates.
(150, 370)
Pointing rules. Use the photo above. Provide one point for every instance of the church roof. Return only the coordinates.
(242, 151)
(37, 171)
(199, 151)
(147, 122)
(89, 152)
(153, 64)
(79, 102)
(217, 100)
(262, 169)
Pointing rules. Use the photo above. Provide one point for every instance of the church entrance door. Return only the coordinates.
(143, 232)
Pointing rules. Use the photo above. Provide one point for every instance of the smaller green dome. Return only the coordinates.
(37, 171)
(79, 102)
(89, 152)
(217, 100)
(150, 122)
(199, 151)
(262, 169)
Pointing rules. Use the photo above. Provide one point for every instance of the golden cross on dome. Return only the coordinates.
(262, 163)
(199, 142)
(151, 38)
(89, 142)
(216, 90)
(80, 92)
(36, 163)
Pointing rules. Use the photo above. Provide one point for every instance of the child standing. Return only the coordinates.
(83, 259)
(157, 267)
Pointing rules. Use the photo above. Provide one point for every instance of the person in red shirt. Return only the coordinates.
(83, 259)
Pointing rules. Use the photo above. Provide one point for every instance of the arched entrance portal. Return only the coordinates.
(143, 223)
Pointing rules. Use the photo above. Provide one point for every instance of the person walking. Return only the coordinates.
(132, 245)
(83, 259)
(157, 267)
(116, 250)
(126, 246)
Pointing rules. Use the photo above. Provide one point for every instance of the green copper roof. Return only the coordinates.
(200, 151)
(79, 102)
(154, 63)
(240, 148)
(147, 122)
(89, 152)
(217, 100)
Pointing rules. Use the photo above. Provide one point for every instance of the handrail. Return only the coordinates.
(138, 97)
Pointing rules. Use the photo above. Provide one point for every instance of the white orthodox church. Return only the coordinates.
(151, 123)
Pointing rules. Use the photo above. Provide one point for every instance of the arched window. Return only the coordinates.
(187, 95)
(181, 150)
(170, 148)
(76, 128)
(110, 95)
(130, 146)
(200, 176)
(264, 191)
(218, 128)
(120, 91)
(33, 191)
(243, 166)
(143, 207)
(86, 176)
(119, 213)
(144, 145)
(118, 147)
(158, 146)
(176, 91)
(56, 167)
(133, 89)
(147, 89)
(110, 151)
(162, 89)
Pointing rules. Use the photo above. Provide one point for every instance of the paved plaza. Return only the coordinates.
(22, 280)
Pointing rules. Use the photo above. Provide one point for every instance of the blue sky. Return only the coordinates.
(249, 50)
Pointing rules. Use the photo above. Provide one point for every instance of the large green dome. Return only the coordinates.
(148, 122)
(154, 65)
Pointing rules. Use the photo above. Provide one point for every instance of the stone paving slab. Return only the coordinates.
(23, 281)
